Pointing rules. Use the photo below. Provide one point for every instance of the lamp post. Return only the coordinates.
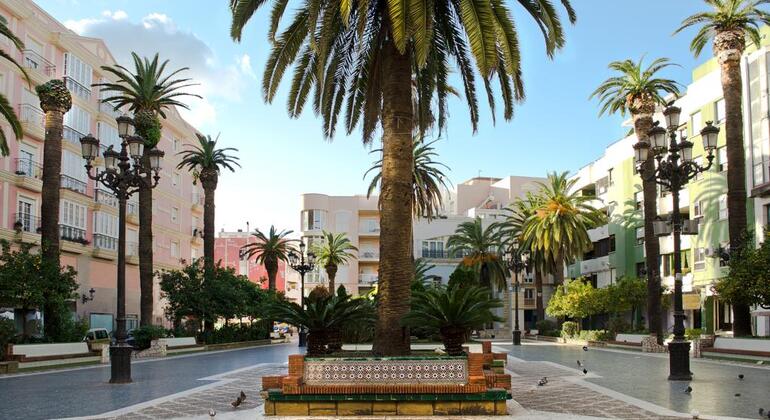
(123, 179)
(298, 264)
(516, 260)
(674, 168)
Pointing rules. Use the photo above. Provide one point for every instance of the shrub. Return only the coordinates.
(234, 333)
(618, 325)
(545, 325)
(692, 333)
(144, 335)
(595, 335)
(7, 332)
(73, 330)
(551, 333)
(569, 329)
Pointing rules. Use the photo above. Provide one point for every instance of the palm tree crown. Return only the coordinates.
(634, 87)
(428, 179)
(480, 248)
(147, 88)
(6, 109)
(337, 49)
(333, 252)
(269, 249)
(741, 17)
(206, 156)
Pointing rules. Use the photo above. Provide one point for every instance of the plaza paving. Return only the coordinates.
(624, 385)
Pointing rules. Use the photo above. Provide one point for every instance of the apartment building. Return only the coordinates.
(358, 218)
(612, 179)
(88, 213)
(227, 251)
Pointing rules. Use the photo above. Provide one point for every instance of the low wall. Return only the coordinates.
(742, 344)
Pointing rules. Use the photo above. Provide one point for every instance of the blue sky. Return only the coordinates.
(556, 128)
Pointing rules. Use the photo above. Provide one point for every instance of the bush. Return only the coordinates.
(144, 335)
(73, 330)
(618, 325)
(550, 333)
(569, 329)
(545, 325)
(7, 332)
(234, 333)
(596, 335)
(692, 333)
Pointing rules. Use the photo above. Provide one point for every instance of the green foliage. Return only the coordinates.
(481, 249)
(748, 281)
(147, 125)
(73, 330)
(29, 282)
(206, 157)
(692, 333)
(6, 109)
(575, 299)
(595, 335)
(233, 333)
(635, 85)
(335, 250)
(742, 16)
(54, 94)
(463, 277)
(617, 325)
(7, 333)
(144, 335)
(269, 249)
(624, 295)
(569, 329)
(545, 325)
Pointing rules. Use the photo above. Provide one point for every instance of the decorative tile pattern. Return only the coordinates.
(344, 372)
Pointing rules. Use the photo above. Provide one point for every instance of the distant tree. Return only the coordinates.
(333, 251)
(748, 282)
(269, 249)
(575, 299)
(480, 249)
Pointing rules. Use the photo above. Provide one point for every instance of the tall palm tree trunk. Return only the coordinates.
(146, 277)
(209, 181)
(396, 272)
(558, 272)
(539, 308)
(642, 125)
(272, 272)
(331, 272)
(728, 46)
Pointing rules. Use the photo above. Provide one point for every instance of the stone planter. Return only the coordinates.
(157, 349)
(650, 345)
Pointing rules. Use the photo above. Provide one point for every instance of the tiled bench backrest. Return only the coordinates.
(53, 349)
(450, 371)
(630, 338)
(178, 341)
(747, 344)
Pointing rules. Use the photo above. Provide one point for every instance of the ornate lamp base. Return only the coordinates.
(679, 361)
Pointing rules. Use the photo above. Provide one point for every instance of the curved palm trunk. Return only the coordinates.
(642, 125)
(49, 206)
(316, 343)
(728, 46)
(209, 182)
(146, 277)
(453, 339)
(539, 308)
(396, 271)
(272, 272)
(331, 272)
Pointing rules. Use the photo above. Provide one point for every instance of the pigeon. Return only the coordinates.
(243, 396)
(761, 411)
(542, 381)
(740, 376)
(585, 348)
(239, 400)
(688, 390)
(585, 371)
(212, 413)
(737, 394)
(579, 364)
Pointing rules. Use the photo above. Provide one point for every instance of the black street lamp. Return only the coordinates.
(516, 260)
(123, 179)
(674, 168)
(298, 263)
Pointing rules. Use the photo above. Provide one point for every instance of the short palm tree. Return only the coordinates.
(206, 160)
(333, 252)
(269, 249)
(559, 226)
(421, 269)
(452, 312)
(367, 56)
(638, 91)
(480, 248)
(6, 109)
(147, 91)
(730, 23)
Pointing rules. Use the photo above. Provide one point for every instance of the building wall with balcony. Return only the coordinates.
(227, 251)
(88, 214)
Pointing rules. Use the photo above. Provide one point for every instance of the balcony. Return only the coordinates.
(73, 136)
(666, 203)
(442, 254)
(105, 247)
(109, 110)
(367, 280)
(132, 212)
(29, 175)
(72, 184)
(602, 232)
(132, 253)
(197, 202)
(32, 121)
(369, 256)
(42, 69)
(77, 89)
(667, 243)
(595, 265)
(25, 222)
(530, 301)
(73, 234)
(369, 228)
(106, 198)
(197, 236)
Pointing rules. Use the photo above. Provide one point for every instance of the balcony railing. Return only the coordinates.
(26, 222)
(26, 167)
(106, 197)
(369, 255)
(442, 254)
(367, 279)
(71, 135)
(72, 184)
(78, 89)
(369, 227)
(105, 242)
(32, 115)
(529, 301)
(73, 234)
(109, 109)
(35, 61)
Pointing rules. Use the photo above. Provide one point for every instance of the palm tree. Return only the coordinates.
(6, 109)
(367, 55)
(421, 269)
(269, 249)
(729, 24)
(638, 91)
(334, 251)
(480, 249)
(147, 92)
(205, 160)
(428, 179)
(452, 312)
(559, 226)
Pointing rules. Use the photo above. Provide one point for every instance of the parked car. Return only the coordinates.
(130, 340)
(96, 336)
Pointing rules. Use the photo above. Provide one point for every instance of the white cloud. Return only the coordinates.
(244, 62)
(116, 15)
(79, 26)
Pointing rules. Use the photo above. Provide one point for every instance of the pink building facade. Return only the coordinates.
(88, 214)
(227, 252)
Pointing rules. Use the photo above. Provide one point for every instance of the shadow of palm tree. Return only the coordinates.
(712, 185)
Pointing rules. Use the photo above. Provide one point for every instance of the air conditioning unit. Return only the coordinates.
(661, 228)
(711, 252)
(690, 227)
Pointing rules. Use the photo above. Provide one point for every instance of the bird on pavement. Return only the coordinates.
(761, 411)
(212, 413)
(737, 394)
(238, 401)
(542, 381)
(243, 396)
(740, 376)
(585, 348)
(585, 371)
(579, 364)
(688, 390)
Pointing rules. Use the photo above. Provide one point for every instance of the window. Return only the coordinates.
(758, 144)
(433, 249)
(612, 243)
(722, 159)
(719, 112)
(78, 75)
(175, 179)
(723, 207)
(697, 209)
(313, 219)
(640, 235)
(699, 258)
(529, 293)
(176, 144)
(25, 214)
(108, 135)
(105, 231)
(641, 269)
(72, 220)
(77, 122)
(767, 215)
(696, 124)
(175, 249)
(683, 132)
(174, 215)
(698, 160)
(609, 177)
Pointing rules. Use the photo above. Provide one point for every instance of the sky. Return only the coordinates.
(557, 128)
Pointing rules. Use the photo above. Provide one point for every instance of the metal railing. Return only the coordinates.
(109, 109)
(26, 222)
(367, 279)
(72, 184)
(31, 114)
(106, 197)
(77, 88)
(71, 135)
(443, 254)
(369, 255)
(71, 233)
(35, 61)
(27, 167)
(529, 301)
(105, 242)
